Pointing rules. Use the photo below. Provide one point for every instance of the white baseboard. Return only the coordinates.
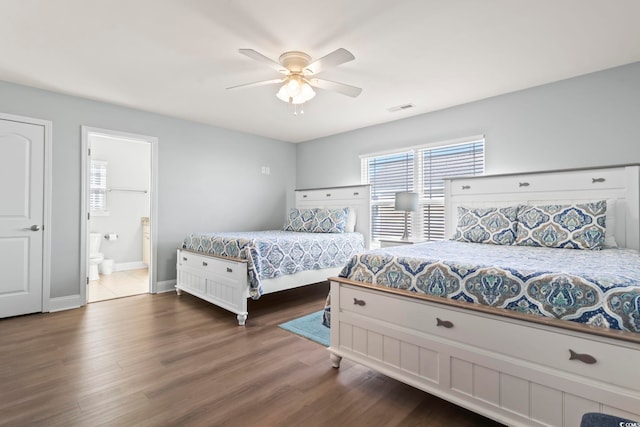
(74, 301)
(124, 266)
(65, 303)
(165, 286)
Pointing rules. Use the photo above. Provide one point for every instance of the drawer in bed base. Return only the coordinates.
(502, 387)
(540, 344)
(219, 281)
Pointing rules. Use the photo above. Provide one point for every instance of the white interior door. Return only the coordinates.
(21, 217)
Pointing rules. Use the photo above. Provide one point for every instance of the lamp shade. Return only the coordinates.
(296, 91)
(406, 201)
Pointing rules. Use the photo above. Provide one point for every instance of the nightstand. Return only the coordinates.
(388, 242)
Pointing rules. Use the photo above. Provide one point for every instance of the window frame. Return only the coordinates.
(418, 219)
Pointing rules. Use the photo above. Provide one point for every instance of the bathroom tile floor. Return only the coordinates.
(118, 284)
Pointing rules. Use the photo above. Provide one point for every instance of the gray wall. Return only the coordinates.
(209, 178)
(592, 120)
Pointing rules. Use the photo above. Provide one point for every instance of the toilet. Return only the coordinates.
(95, 257)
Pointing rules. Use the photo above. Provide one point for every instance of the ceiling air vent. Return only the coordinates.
(400, 108)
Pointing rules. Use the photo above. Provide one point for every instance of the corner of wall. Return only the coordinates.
(165, 286)
(65, 303)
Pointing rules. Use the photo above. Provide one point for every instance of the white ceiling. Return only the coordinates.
(176, 57)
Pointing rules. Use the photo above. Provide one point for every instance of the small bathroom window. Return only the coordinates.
(98, 188)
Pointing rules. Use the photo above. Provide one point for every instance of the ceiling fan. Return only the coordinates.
(299, 74)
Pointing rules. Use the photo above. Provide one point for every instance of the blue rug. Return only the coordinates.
(310, 327)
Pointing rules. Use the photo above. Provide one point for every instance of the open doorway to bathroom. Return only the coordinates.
(119, 194)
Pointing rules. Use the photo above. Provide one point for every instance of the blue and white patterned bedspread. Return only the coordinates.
(271, 254)
(600, 288)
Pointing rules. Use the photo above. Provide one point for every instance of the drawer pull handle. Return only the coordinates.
(445, 323)
(229, 270)
(584, 358)
(466, 187)
(360, 302)
(184, 258)
(304, 196)
(328, 194)
(355, 193)
(204, 263)
(594, 180)
(523, 184)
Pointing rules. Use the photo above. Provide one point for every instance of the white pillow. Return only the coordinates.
(610, 224)
(350, 227)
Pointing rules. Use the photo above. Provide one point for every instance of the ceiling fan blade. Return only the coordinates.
(261, 58)
(337, 57)
(256, 84)
(342, 88)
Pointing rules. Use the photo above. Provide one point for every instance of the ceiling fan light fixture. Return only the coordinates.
(293, 87)
(282, 94)
(306, 92)
(298, 68)
(296, 91)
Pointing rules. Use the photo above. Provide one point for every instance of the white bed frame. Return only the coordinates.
(224, 281)
(492, 361)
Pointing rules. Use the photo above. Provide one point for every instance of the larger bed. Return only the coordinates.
(226, 269)
(524, 335)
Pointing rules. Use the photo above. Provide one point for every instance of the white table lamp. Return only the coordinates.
(408, 202)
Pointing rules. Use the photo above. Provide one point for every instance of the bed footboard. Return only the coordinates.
(220, 281)
(513, 371)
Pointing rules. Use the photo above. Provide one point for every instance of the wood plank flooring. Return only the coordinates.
(164, 360)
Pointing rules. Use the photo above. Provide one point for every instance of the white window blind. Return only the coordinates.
(98, 186)
(422, 170)
(387, 175)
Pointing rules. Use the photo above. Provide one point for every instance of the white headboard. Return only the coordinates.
(357, 197)
(617, 183)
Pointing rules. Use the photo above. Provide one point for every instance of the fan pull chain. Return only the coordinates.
(294, 107)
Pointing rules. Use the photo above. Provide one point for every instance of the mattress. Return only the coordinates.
(271, 254)
(600, 288)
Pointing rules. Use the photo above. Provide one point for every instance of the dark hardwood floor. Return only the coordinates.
(156, 360)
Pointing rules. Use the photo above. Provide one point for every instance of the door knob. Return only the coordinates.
(34, 227)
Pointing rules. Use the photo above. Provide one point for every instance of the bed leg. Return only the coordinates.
(335, 360)
(178, 291)
(242, 318)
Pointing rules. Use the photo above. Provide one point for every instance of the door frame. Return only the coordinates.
(84, 205)
(47, 189)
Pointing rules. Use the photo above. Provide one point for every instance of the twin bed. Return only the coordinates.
(522, 334)
(226, 269)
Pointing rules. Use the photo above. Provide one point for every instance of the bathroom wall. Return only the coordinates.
(128, 166)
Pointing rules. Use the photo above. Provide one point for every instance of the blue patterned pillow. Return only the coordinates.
(577, 226)
(330, 220)
(496, 226)
(299, 220)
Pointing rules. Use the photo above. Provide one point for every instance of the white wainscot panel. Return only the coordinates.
(391, 351)
(546, 405)
(514, 394)
(486, 384)
(462, 376)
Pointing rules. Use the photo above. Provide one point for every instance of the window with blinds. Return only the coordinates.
(98, 187)
(421, 170)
